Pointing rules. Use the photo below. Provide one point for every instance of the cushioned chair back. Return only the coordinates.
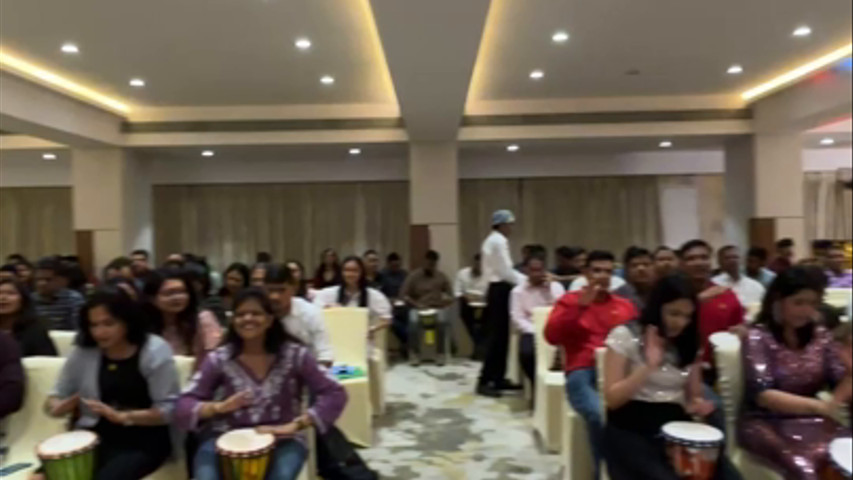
(600, 353)
(727, 353)
(752, 312)
(347, 329)
(29, 426)
(63, 340)
(838, 297)
(544, 351)
(184, 365)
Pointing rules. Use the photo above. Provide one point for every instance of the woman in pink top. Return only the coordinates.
(171, 306)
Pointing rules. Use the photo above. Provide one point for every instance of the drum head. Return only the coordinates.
(65, 444)
(426, 313)
(477, 304)
(841, 453)
(692, 433)
(244, 442)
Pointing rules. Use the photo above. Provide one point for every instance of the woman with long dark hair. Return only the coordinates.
(124, 381)
(328, 273)
(172, 309)
(788, 359)
(237, 277)
(297, 271)
(260, 371)
(653, 377)
(18, 318)
(354, 292)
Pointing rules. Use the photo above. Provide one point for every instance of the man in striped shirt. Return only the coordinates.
(57, 306)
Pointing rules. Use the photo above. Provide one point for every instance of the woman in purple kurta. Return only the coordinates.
(788, 360)
(261, 372)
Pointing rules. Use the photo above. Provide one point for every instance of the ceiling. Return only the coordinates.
(678, 47)
(206, 52)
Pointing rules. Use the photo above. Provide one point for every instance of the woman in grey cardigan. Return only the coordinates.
(124, 382)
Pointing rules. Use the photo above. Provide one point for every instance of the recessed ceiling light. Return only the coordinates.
(70, 48)
(355, 151)
(136, 82)
(803, 31)
(208, 153)
(560, 37)
(827, 141)
(512, 148)
(303, 43)
(48, 156)
(327, 80)
(735, 70)
(537, 75)
(666, 144)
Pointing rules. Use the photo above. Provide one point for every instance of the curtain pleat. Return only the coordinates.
(828, 207)
(36, 221)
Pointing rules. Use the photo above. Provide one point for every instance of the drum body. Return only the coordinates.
(841, 460)
(428, 320)
(693, 449)
(245, 454)
(479, 308)
(69, 456)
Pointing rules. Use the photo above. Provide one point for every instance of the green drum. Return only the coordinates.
(245, 454)
(69, 456)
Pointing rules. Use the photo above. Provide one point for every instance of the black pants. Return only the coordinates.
(527, 357)
(497, 329)
(126, 464)
(474, 326)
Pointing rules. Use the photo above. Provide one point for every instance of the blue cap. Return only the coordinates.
(501, 217)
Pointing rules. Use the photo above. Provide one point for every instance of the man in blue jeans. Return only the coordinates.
(580, 323)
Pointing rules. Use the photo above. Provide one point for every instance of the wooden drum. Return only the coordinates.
(69, 456)
(693, 448)
(245, 454)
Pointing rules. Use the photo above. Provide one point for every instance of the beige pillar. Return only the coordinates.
(111, 203)
(434, 199)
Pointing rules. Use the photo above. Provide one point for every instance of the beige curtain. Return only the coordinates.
(608, 212)
(36, 221)
(828, 207)
(711, 191)
(230, 223)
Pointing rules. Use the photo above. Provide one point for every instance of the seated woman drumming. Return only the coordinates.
(261, 371)
(124, 381)
(653, 377)
(787, 360)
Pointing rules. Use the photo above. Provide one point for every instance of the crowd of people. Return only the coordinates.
(258, 338)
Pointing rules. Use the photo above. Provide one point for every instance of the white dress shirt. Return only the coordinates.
(466, 283)
(748, 291)
(525, 298)
(579, 283)
(305, 322)
(377, 304)
(496, 260)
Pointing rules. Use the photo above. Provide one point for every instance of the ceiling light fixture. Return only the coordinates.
(136, 82)
(802, 31)
(70, 48)
(666, 144)
(735, 70)
(560, 37)
(303, 43)
(48, 156)
(827, 141)
(61, 83)
(208, 153)
(512, 148)
(355, 151)
(792, 76)
(537, 75)
(327, 80)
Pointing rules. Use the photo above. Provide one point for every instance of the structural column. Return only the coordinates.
(111, 203)
(434, 202)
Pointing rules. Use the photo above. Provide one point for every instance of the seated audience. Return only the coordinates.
(259, 271)
(129, 287)
(471, 286)
(8, 272)
(393, 277)
(199, 277)
(18, 319)
(580, 323)
(237, 277)
(124, 382)
(171, 307)
(263, 257)
(260, 371)
(140, 264)
(582, 281)
(371, 269)
(297, 271)
(653, 377)
(748, 291)
(328, 274)
(839, 277)
(828, 316)
(788, 359)
(301, 318)
(537, 291)
(666, 261)
(640, 275)
(25, 270)
(756, 267)
(118, 267)
(427, 288)
(58, 306)
(73, 275)
(784, 256)
(820, 250)
(11, 377)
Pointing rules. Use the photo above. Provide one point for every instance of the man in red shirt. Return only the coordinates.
(580, 323)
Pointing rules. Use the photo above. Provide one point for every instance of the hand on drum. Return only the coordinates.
(105, 411)
(61, 408)
(234, 402)
(279, 431)
(700, 407)
(655, 347)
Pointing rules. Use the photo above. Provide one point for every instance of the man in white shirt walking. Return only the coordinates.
(502, 277)
(537, 291)
(300, 317)
(748, 291)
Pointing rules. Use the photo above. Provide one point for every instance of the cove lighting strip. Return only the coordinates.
(57, 81)
(793, 75)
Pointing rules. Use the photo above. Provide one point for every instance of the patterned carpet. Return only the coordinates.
(437, 429)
